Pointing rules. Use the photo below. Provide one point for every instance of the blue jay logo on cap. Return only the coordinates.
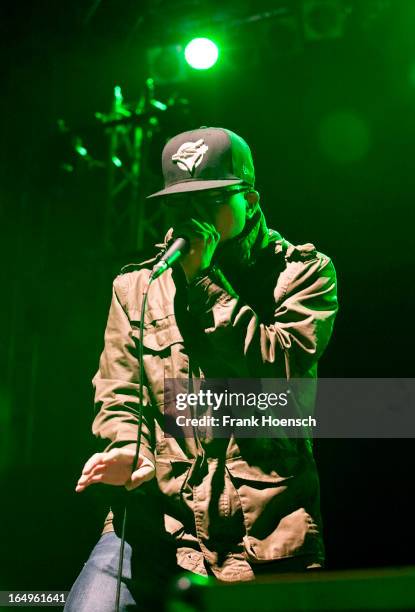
(189, 155)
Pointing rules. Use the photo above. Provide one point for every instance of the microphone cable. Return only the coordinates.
(138, 444)
(170, 255)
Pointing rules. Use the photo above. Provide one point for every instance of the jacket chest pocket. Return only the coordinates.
(163, 348)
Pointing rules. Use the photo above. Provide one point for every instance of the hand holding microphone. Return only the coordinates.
(193, 249)
(175, 251)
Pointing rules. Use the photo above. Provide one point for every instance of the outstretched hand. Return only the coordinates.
(114, 468)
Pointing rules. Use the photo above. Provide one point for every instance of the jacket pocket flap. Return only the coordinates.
(294, 534)
(172, 475)
(159, 333)
(241, 470)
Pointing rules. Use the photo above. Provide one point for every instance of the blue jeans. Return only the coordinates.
(95, 588)
(144, 586)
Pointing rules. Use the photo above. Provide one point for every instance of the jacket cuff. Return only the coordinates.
(207, 289)
(145, 451)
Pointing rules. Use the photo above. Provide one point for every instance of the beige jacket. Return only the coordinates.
(229, 504)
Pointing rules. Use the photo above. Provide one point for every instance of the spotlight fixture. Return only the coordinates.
(201, 53)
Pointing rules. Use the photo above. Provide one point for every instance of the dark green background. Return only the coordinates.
(62, 62)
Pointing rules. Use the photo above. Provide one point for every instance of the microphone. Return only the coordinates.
(179, 248)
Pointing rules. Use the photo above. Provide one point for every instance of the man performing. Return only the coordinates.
(242, 303)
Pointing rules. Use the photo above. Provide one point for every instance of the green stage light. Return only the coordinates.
(201, 53)
(81, 150)
(116, 161)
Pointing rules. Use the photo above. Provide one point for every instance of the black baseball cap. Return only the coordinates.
(206, 158)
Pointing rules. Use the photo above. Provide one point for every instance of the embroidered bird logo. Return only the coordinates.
(189, 155)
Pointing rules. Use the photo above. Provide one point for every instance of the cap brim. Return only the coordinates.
(186, 186)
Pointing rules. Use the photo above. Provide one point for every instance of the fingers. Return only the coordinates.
(204, 227)
(208, 230)
(197, 228)
(113, 467)
(92, 462)
(115, 454)
(82, 483)
(94, 467)
(85, 481)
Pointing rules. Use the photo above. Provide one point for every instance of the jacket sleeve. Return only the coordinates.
(117, 383)
(305, 305)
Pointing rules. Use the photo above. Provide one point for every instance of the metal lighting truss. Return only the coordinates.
(131, 221)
